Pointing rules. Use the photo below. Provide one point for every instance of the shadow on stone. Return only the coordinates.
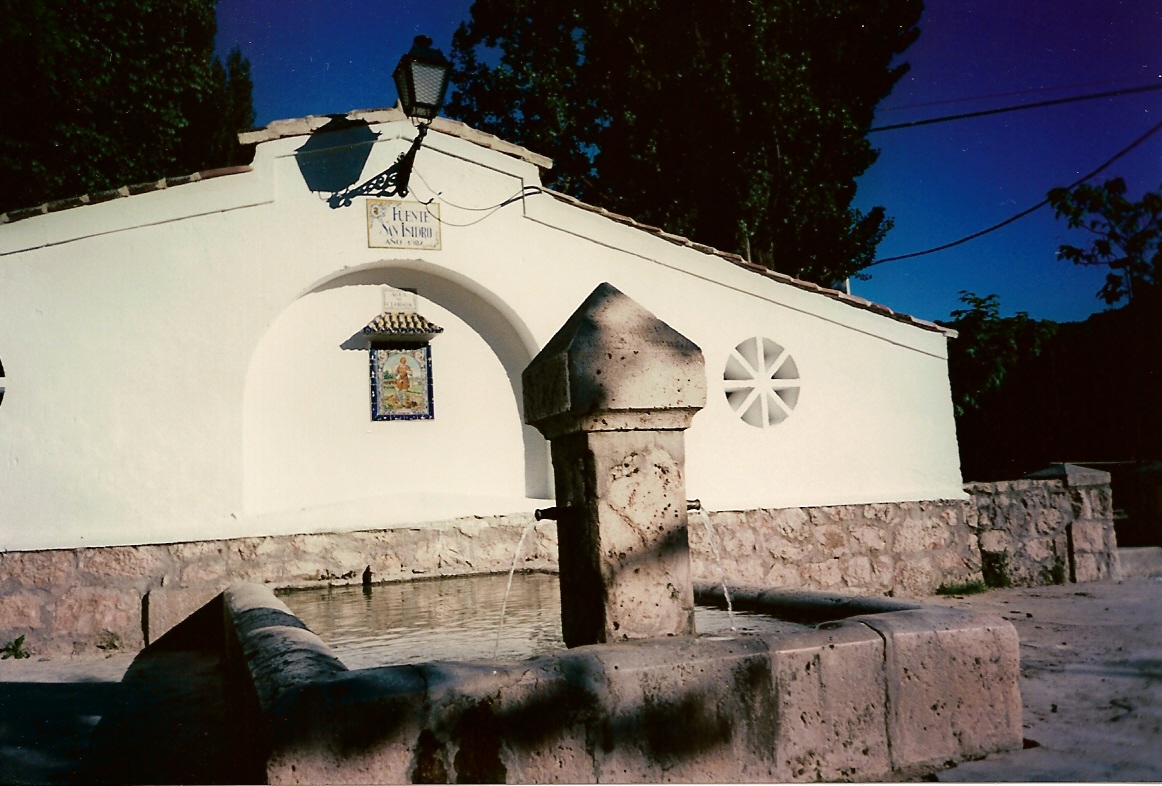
(172, 719)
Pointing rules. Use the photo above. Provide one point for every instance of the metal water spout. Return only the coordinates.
(613, 391)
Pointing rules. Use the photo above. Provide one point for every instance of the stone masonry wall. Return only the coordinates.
(70, 601)
(901, 549)
(1045, 531)
(1019, 533)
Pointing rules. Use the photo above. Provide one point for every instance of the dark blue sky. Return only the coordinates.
(940, 182)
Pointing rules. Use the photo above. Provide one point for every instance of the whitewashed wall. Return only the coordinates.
(175, 367)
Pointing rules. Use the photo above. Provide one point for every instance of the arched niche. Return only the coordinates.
(309, 440)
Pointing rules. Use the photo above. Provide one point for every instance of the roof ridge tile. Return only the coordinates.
(134, 189)
(753, 267)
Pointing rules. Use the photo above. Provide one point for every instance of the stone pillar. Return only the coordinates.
(1092, 542)
(613, 391)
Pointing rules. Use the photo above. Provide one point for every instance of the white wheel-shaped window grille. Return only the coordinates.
(761, 382)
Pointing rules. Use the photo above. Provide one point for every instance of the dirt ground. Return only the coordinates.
(1091, 682)
(1091, 662)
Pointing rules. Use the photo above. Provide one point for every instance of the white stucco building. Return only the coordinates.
(188, 361)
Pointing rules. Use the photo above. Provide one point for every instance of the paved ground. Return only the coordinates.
(1091, 682)
(1091, 657)
(157, 717)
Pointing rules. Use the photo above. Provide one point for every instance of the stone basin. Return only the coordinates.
(878, 689)
(873, 689)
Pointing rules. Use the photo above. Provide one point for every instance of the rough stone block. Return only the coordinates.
(165, 608)
(996, 541)
(1094, 567)
(84, 613)
(783, 576)
(210, 571)
(952, 682)
(916, 577)
(823, 575)
(857, 572)
(869, 538)
(791, 523)
(779, 549)
(19, 613)
(972, 514)
(192, 551)
(118, 563)
(687, 710)
(914, 536)
(1046, 522)
(832, 539)
(624, 553)
(832, 704)
(959, 566)
(1089, 536)
(38, 569)
(544, 711)
(883, 572)
(1040, 551)
(373, 731)
(891, 514)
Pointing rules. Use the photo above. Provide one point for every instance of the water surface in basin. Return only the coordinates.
(457, 619)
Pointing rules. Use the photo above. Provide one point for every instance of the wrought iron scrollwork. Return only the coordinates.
(391, 182)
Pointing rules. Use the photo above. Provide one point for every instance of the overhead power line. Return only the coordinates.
(1018, 107)
(1010, 94)
(1026, 212)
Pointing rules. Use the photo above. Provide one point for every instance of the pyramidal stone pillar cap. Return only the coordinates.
(1074, 475)
(614, 366)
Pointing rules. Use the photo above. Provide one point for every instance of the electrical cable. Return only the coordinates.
(1026, 212)
(1012, 94)
(1016, 108)
(523, 191)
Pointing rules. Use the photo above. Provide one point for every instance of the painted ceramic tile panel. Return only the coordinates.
(401, 383)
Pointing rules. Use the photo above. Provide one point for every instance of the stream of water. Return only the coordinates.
(459, 619)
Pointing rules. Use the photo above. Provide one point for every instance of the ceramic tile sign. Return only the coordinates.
(400, 301)
(401, 382)
(395, 224)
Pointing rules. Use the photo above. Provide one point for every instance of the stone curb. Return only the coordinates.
(855, 699)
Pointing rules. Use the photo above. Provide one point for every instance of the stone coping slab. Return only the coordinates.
(886, 691)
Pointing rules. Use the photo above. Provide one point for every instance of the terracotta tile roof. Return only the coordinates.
(118, 193)
(834, 294)
(401, 323)
(280, 129)
(303, 126)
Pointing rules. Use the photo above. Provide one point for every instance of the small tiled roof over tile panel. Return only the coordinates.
(401, 324)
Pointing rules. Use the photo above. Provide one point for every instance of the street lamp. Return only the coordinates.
(421, 79)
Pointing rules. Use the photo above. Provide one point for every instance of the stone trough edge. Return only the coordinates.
(884, 686)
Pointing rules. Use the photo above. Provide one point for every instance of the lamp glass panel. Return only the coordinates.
(429, 81)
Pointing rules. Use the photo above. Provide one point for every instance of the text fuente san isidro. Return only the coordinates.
(394, 224)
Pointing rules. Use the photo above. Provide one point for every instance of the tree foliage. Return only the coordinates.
(987, 349)
(1031, 393)
(96, 94)
(1126, 235)
(741, 124)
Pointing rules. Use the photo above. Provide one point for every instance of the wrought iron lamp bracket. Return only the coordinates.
(394, 181)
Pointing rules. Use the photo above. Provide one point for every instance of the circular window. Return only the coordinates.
(761, 382)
